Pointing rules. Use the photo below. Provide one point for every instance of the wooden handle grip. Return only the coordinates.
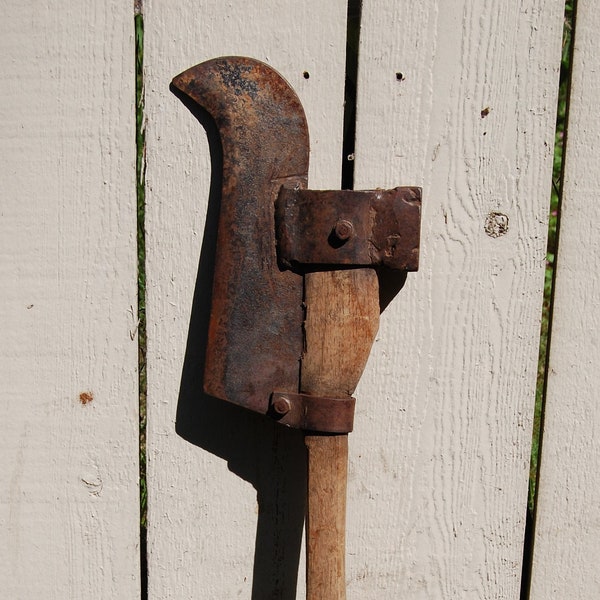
(342, 316)
(326, 517)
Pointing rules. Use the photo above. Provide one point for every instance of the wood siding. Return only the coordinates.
(69, 501)
(458, 97)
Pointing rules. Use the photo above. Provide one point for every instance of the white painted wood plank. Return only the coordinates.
(567, 531)
(69, 517)
(458, 97)
(226, 488)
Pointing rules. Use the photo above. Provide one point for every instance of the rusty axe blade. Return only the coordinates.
(255, 331)
(271, 231)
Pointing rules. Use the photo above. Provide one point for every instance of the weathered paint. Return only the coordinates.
(567, 529)
(69, 502)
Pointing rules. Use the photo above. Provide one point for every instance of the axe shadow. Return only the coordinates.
(270, 457)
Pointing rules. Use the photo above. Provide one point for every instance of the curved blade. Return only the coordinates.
(255, 331)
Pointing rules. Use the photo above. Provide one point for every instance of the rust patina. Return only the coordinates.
(270, 231)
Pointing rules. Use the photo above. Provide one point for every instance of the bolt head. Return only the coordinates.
(343, 229)
(282, 405)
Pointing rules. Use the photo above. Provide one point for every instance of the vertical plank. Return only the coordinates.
(69, 517)
(226, 487)
(567, 529)
(458, 97)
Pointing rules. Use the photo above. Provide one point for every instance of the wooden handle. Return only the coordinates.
(326, 517)
(342, 317)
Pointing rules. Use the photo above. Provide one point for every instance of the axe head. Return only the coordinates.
(271, 230)
(255, 332)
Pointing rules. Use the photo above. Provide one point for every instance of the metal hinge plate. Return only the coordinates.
(349, 228)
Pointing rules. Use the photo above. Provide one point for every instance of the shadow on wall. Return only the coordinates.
(270, 457)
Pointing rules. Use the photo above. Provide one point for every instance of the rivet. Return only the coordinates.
(343, 229)
(282, 405)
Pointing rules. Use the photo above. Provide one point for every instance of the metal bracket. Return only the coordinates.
(313, 413)
(349, 228)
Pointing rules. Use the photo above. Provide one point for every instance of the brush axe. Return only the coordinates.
(295, 297)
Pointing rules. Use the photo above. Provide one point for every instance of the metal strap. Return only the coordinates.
(313, 413)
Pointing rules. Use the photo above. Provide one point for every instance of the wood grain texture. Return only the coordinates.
(567, 530)
(227, 487)
(326, 517)
(458, 97)
(69, 516)
(342, 316)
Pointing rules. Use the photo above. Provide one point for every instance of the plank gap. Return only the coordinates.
(560, 141)
(140, 166)
(350, 87)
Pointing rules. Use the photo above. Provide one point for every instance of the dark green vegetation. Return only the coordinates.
(141, 252)
(561, 119)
